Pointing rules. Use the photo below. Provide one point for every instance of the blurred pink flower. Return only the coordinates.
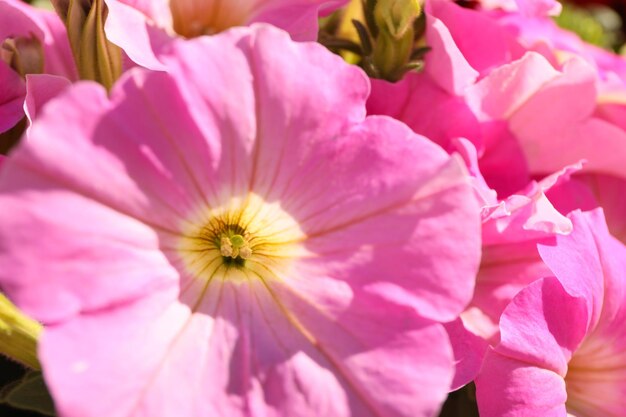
(218, 239)
(563, 337)
(526, 8)
(33, 44)
(142, 27)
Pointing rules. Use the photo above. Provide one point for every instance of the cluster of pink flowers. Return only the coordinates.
(244, 224)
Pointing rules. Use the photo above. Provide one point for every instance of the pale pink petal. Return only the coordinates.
(41, 88)
(539, 7)
(156, 198)
(298, 17)
(151, 24)
(87, 356)
(58, 224)
(249, 359)
(158, 11)
(508, 87)
(351, 320)
(351, 240)
(139, 37)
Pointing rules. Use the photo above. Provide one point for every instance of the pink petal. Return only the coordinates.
(543, 325)
(469, 352)
(446, 65)
(510, 388)
(481, 39)
(425, 107)
(12, 91)
(575, 261)
(41, 88)
(146, 38)
(298, 17)
(508, 87)
(20, 19)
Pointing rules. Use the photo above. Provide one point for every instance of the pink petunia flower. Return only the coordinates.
(532, 98)
(33, 49)
(219, 239)
(510, 261)
(562, 338)
(142, 27)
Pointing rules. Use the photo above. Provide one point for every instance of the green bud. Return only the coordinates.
(395, 40)
(97, 59)
(18, 334)
(396, 17)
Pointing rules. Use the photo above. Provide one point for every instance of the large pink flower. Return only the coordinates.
(562, 338)
(219, 239)
(34, 41)
(142, 27)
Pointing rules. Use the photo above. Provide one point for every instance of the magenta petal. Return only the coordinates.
(469, 352)
(543, 325)
(510, 388)
(575, 261)
(425, 107)
(484, 42)
(20, 19)
(446, 65)
(12, 91)
(524, 374)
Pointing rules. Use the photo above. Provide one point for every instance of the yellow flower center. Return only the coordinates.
(193, 18)
(244, 239)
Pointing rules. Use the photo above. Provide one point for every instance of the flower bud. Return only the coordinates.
(23, 54)
(396, 17)
(97, 59)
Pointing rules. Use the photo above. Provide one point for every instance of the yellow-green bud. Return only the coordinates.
(18, 334)
(396, 17)
(97, 59)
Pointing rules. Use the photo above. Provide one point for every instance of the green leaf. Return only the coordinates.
(29, 393)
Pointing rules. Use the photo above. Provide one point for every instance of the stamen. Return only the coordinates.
(236, 246)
